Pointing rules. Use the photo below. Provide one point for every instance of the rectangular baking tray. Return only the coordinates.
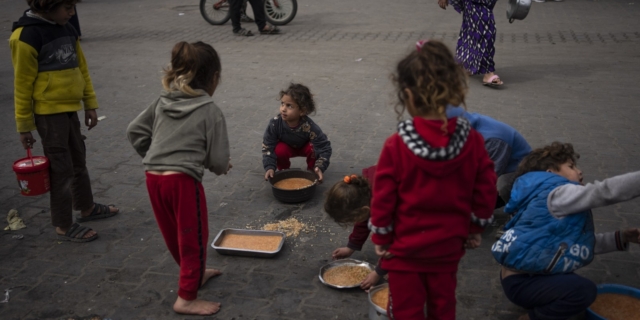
(244, 252)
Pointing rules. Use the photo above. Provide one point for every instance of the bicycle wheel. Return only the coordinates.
(280, 12)
(215, 12)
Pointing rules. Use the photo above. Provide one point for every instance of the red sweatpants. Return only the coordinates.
(180, 207)
(408, 292)
(284, 152)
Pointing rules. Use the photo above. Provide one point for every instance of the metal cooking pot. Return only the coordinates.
(375, 312)
(518, 9)
(298, 195)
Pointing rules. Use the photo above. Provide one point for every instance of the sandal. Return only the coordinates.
(243, 33)
(270, 30)
(100, 211)
(494, 81)
(76, 234)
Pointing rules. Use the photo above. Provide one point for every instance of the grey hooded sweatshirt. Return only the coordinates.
(183, 133)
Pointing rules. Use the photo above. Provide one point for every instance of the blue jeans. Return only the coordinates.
(550, 297)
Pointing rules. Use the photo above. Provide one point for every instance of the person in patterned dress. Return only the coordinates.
(475, 49)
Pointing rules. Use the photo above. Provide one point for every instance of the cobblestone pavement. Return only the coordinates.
(571, 71)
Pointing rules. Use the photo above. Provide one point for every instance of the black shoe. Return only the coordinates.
(245, 18)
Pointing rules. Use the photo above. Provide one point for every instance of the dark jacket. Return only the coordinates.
(306, 132)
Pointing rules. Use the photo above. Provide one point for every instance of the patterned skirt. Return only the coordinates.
(475, 47)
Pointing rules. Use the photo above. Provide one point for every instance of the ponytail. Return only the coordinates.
(193, 66)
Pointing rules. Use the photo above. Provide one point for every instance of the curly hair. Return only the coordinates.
(46, 6)
(302, 96)
(547, 157)
(348, 203)
(193, 66)
(434, 78)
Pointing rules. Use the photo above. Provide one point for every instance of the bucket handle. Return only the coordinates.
(30, 157)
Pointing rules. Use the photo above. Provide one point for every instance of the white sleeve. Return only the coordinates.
(609, 242)
(571, 198)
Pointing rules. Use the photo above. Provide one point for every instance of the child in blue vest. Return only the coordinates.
(552, 233)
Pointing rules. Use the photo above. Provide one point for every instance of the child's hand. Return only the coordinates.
(371, 280)
(382, 251)
(473, 241)
(631, 235)
(443, 4)
(268, 174)
(342, 253)
(90, 118)
(319, 173)
(27, 140)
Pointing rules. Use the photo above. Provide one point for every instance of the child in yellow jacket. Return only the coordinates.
(51, 84)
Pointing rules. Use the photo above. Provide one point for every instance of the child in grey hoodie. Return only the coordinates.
(180, 135)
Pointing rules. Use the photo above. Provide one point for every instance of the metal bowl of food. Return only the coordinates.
(378, 300)
(345, 273)
(293, 185)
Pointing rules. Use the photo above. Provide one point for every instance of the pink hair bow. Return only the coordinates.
(420, 43)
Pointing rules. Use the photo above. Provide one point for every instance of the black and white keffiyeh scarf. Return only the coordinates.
(422, 149)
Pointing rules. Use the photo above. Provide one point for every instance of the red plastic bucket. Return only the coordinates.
(32, 174)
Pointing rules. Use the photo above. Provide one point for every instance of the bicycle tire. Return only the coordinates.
(282, 15)
(212, 15)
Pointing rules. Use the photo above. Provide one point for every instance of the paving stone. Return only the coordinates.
(558, 87)
(241, 308)
(263, 285)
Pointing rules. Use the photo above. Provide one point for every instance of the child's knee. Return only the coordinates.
(590, 292)
(282, 150)
(585, 293)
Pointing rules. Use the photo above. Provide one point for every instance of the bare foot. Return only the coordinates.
(197, 306)
(87, 235)
(524, 317)
(208, 274)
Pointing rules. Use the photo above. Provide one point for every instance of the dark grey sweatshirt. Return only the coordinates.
(178, 132)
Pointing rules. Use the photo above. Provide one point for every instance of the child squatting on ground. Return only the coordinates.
(348, 202)
(552, 233)
(293, 134)
(434, 189)
(180, 135)
(52, 84)
(505, 145)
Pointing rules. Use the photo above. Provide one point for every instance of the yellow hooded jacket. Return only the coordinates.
(51, 74)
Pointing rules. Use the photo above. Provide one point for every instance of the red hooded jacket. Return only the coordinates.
(429, 187)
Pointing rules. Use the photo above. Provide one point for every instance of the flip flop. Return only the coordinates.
(76, 234)
(100, 211)
(270, 30)
(492, 81)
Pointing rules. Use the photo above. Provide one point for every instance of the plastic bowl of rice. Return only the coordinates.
(615, 302)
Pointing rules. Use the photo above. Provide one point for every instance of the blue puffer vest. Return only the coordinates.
(537, 242)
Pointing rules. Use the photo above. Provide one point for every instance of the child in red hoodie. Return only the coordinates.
(434, 187)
